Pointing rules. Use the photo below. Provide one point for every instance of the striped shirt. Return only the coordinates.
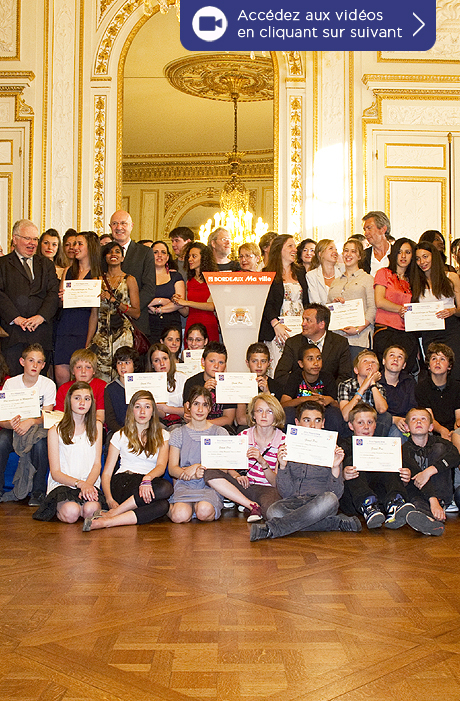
(255, 472)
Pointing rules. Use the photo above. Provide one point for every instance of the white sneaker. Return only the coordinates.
(452, 508)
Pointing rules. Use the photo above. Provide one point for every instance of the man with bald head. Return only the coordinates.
(28, 296)
(139, 262)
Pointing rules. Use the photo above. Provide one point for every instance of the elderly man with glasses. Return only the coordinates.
(28, 296)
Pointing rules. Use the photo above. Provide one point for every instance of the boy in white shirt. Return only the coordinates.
(33, 361)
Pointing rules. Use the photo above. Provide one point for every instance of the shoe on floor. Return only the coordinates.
(259, 531)
(350, 524)
(452, 508)
(373, 516)
(36, 499)
(87, 524)
(228, 504)
(241, 508)
(255, 514)
(397, 513)
(424, 524)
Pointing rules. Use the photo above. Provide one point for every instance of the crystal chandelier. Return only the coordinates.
(234, 216)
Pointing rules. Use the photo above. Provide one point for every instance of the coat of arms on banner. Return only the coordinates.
(239, 316)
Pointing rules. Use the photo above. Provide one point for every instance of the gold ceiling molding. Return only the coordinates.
(170, 197)
(372, 77)
(213, 155)
(103, 6)
(219, 76)
(111, 33)
(193, 170)
(28, 75)
(100, 108)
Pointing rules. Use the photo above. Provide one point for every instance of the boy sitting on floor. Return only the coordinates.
(399, 388)
(427, 463)
(27, 436)
(365, 387)
(310, 492)
(372, 493)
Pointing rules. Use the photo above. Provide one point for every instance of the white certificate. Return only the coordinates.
(154, 382)
(377, 454)
(82, 293)
(51, 418)
(350, 313)
(421, 316)
(19, 402)
(294, 323)
(192, 361)
(311, 445)
(236, 387)
(224, 452)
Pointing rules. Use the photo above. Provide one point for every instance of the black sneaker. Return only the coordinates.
(259, 531)
(36, 499)
(397, 512)
(373, 516)
(424, 524)
(350, 524)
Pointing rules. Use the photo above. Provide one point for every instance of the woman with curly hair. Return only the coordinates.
(137, 492)
(287, 295)
(199, 307)
(305, 253)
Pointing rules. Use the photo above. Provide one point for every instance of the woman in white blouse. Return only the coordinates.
(355, 283)
(323, 270)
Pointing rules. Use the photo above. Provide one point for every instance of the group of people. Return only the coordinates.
(357, 381)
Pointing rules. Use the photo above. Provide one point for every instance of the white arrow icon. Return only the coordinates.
(422, 24)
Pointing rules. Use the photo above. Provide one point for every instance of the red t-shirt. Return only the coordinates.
(96, 385)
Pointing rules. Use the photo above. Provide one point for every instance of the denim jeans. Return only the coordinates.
(303, 514)
(38, 456)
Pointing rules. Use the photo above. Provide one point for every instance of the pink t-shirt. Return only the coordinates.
(255, 473)
(397, 291)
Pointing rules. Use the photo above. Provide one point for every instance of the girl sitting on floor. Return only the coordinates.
(74, 451)
(137, 492)
(191, 496)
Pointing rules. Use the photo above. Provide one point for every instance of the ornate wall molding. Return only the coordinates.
(193, 170)
(10, 23)
(446, 48)
(186, 203)
(294, 62)
(103, 6)
(100, 116)
(295, 124)
(111, 33)
(170, 197)
(416, 199)
(369, 78)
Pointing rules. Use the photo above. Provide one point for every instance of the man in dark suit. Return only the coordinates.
(376, 227)
(28, 296)
(334, 349)
(139, 262)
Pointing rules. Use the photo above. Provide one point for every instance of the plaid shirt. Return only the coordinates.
(348, 389)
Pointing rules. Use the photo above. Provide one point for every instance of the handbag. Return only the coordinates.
(140, 341)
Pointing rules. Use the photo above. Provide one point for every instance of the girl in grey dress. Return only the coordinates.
(191, 496)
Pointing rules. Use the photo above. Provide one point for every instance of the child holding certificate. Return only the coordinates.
(161, 359)
(265, 436)
(258, 362)
(427, 463)
(137, 492)
(379, 496)
(191, 495)
(83, 366)
(310, 493)
(74, 448)
(22, 433)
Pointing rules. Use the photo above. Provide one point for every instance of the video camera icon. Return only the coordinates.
(209, 23)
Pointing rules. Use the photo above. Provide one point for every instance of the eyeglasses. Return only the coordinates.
(244, 256)
(269, 412)
(27, 238)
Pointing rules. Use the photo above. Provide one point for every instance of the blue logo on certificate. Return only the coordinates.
(2, 395)
(293, 431)
(130, 378)
(207, 441)
(221, 378)
(359, 441)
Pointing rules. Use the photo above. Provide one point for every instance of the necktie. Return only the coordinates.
(27, 268)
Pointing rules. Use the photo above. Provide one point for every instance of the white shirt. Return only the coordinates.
(46, 388)
(377, 264)
(129, 462)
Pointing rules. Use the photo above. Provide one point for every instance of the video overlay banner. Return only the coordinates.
(247, 25)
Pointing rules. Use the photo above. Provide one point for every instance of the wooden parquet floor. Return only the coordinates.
(196, 611)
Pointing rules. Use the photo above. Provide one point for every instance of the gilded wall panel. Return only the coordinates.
(416, 204)
(415, 156)
(9, 29)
